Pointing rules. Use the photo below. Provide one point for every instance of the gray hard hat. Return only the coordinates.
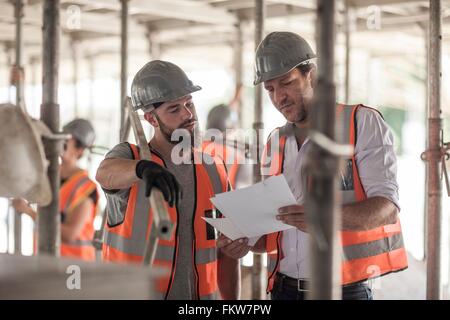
(279, 53)
(81, 130)
(157, 82)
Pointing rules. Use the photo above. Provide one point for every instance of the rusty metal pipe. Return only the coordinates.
(323, 214)
(258, 278)
(434, 150)
(123, 67)
(49, 220)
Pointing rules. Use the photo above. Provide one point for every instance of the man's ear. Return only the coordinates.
(150, 117)
(312, 75)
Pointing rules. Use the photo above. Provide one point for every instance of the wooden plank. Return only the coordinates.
(47, 277)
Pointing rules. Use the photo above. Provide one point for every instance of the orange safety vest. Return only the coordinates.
(220, 150)
(76, 189)
(126, 242)
(365, 254)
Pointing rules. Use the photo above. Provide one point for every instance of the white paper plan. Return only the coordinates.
(251, 212)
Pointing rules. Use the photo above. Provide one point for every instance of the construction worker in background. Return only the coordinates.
(221, 118)
(372, 243)
(195, 269)
(78, 196)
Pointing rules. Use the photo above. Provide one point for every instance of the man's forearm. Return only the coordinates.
(228, 277)
(117, 173)
(368, 214)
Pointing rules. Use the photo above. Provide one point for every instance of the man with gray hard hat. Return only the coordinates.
(78, 196)
(194, 267)
(368, 181)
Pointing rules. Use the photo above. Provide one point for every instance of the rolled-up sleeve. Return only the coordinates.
(117, 200)
(375, 156)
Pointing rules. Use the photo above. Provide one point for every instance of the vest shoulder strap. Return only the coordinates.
(348, 115)
(217, 172)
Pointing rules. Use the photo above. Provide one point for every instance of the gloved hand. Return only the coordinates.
(157, 176)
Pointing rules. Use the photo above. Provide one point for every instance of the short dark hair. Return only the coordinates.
(157, 104)
(305, 68)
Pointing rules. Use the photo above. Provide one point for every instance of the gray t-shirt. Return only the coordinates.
(184, 283)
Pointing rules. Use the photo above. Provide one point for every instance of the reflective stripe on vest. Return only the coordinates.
(223, 151)
(365, 254)
(75, 190)
(126, 242)
(80, 243)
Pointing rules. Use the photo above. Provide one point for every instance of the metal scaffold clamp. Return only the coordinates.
(443, 154)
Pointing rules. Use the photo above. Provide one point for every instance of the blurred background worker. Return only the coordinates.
(222, 140)
(78, 195)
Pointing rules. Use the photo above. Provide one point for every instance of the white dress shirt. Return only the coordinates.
(376, 162)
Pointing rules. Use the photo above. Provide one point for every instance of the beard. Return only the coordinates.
(191, 134)
(298, 113)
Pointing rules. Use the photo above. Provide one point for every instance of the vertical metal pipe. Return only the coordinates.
(434, 188)
(49, 218)
(74, 43)
(7, 49)
(154, 46)
(18, 10)
(33, 82)
(426, 36)
(123, 64)
(154, 50)
(91, 112)
(258, 127)
(19, 46)
(238, 68)
(347, 50)
(322, 209)
(9, 219)
(91, 66)
(8, 226)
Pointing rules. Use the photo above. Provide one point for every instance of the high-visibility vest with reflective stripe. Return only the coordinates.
(365, 254)
(126, 242)
(75, 190)
(221, 150)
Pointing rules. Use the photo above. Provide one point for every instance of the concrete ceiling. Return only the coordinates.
(178, 24)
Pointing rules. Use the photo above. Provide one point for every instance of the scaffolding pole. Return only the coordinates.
(91, 67)
(33, 81)
(123, 67)
(9, 218)
(154, 45)
(7, 50)
(258, 279)
(75, 44)
(238, 69)
(323, 214)
(347, 22)
(18, 10)
(49, 217)
(154, 51)
(434, 154)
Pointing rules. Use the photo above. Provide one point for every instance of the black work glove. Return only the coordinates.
(157, 176)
